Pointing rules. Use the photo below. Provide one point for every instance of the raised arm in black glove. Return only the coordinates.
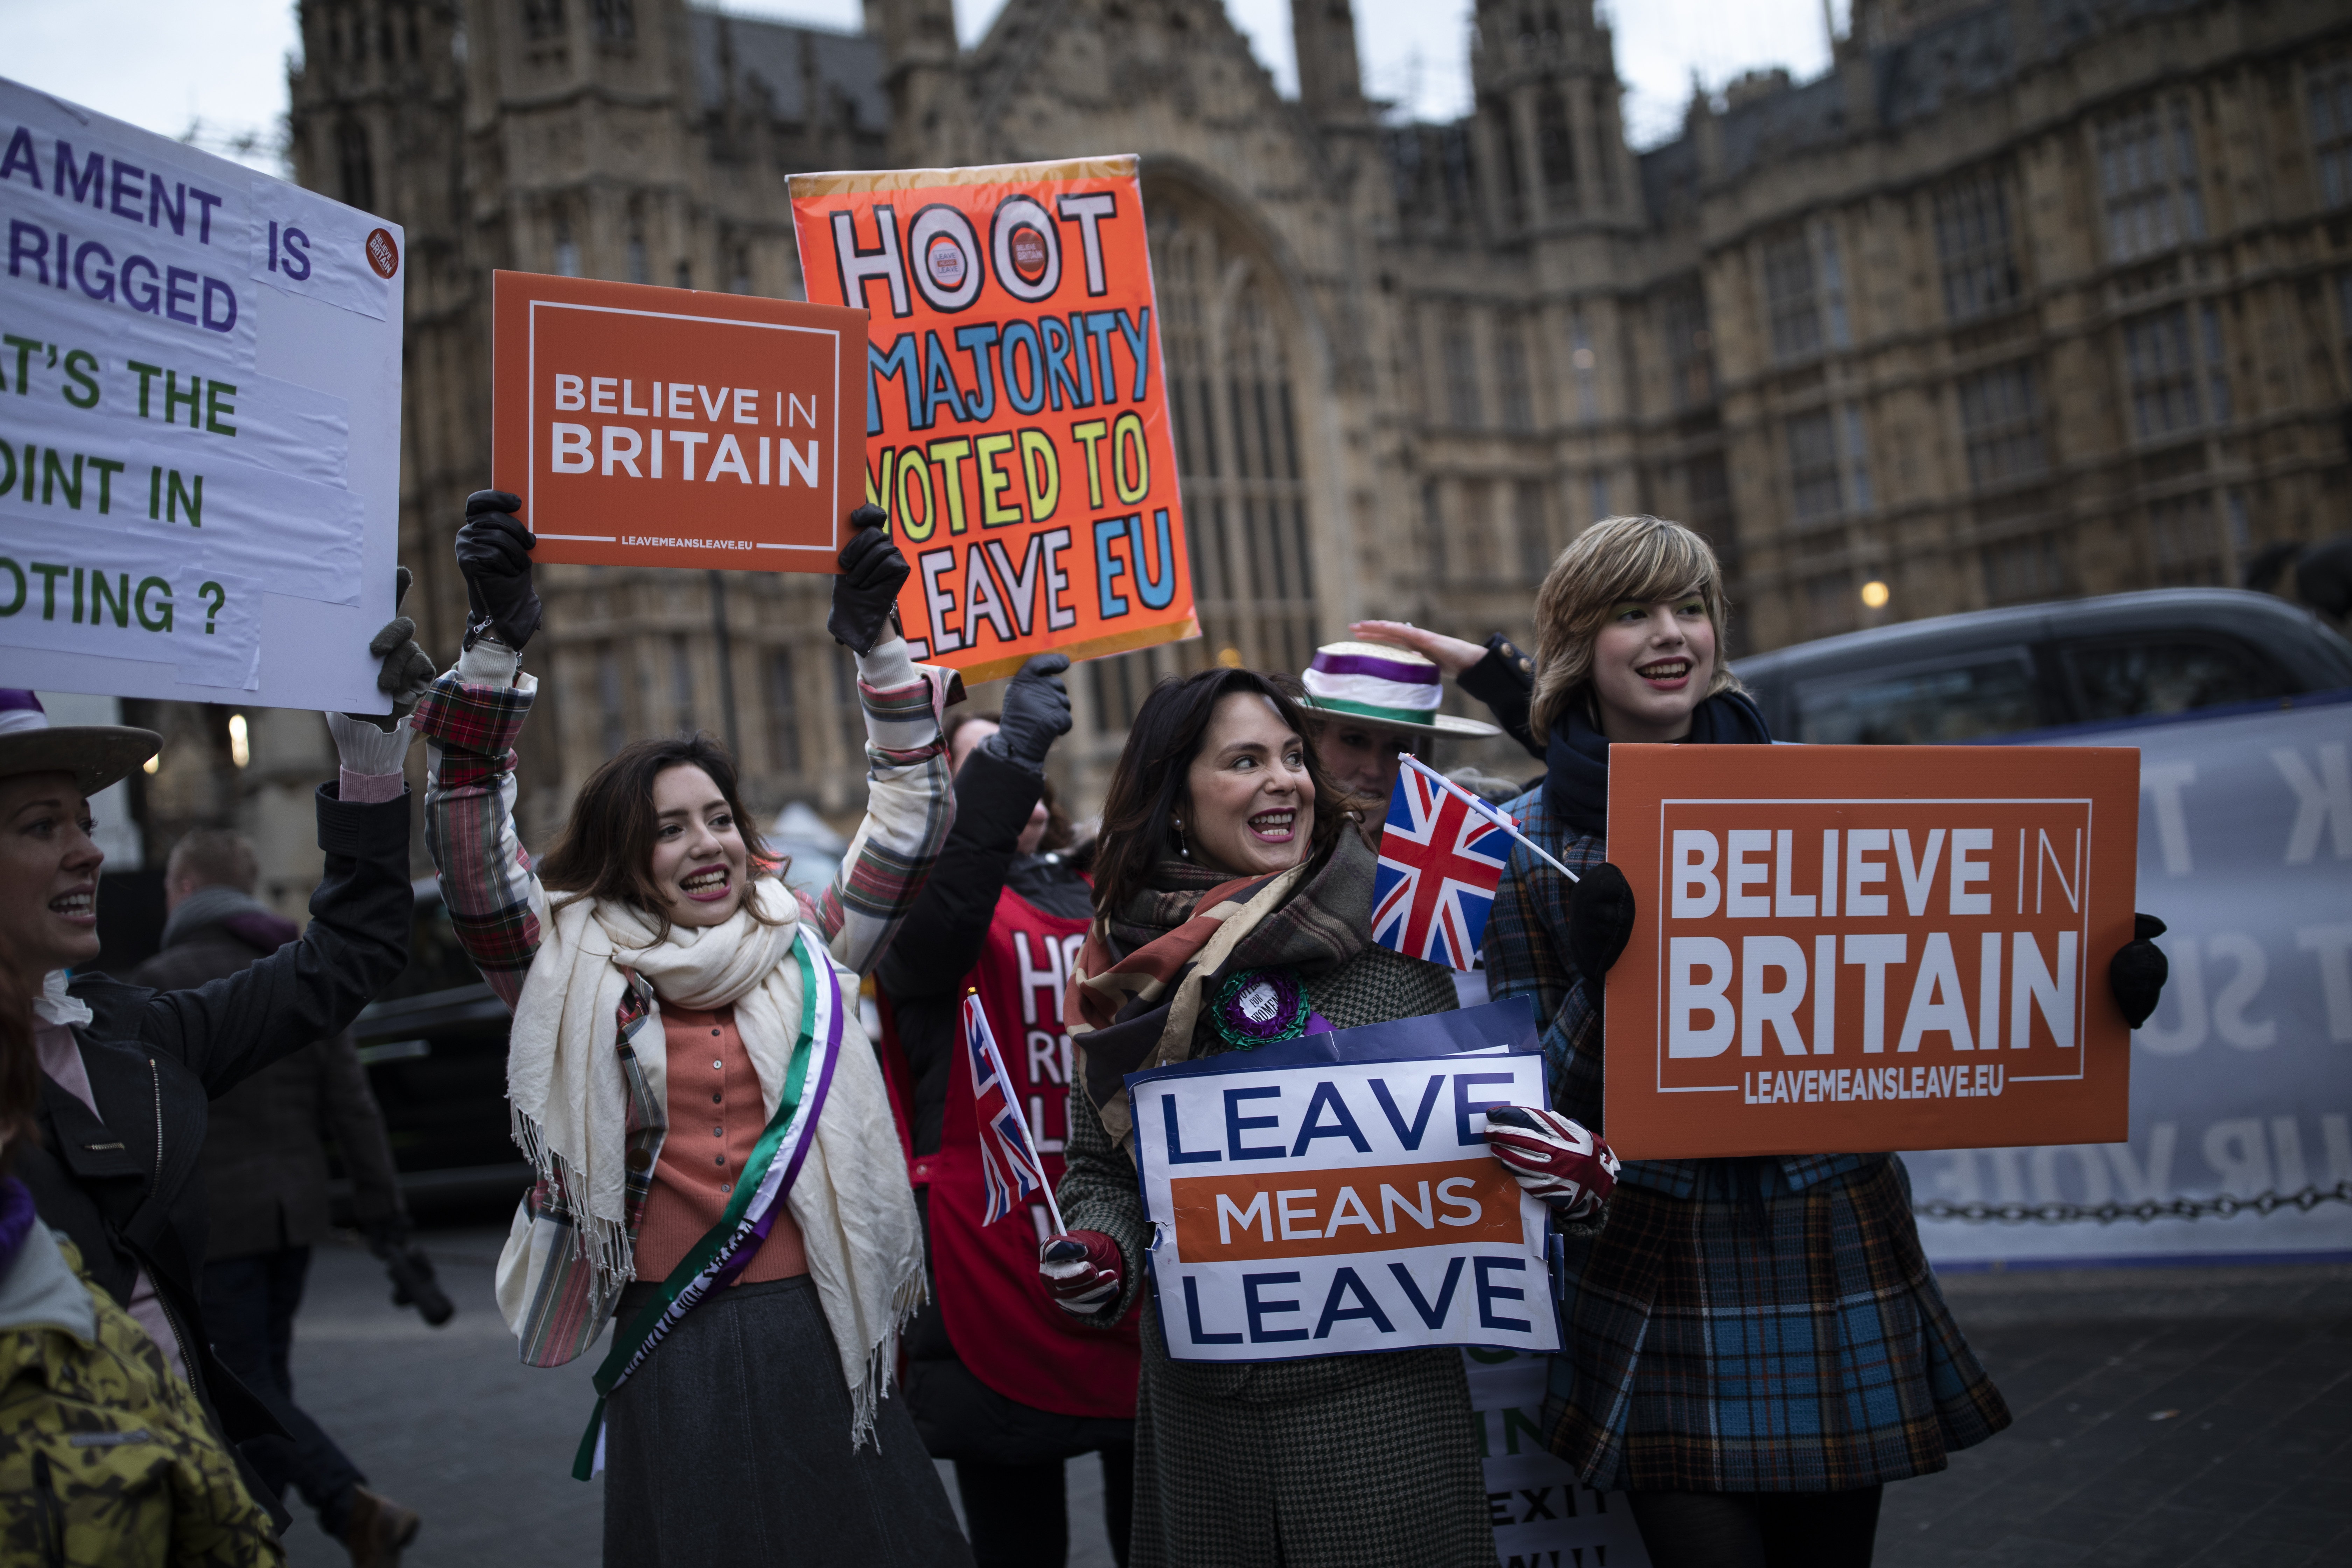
(1599, 919)
(872, 573)
(494, 553)
(2135, 974)
(1037, 714)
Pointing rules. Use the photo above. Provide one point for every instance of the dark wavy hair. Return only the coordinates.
(1148, 784)
(607, 849)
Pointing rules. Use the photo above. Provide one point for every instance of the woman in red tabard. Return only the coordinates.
(998, 1380)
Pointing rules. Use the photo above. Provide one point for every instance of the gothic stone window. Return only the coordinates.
(1511, 375)
(1972, 241)
(1813, 466)
(1556, 146)
(2000, 424)
(2175, 373)
(2331, 130)
(1460, 348)
(783, 713)
(1789, 302)
(1690, 356)
(2147, 181)
(1234, 419)
(2185, 540)
(2019, 570)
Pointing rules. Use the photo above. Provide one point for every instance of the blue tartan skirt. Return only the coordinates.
(1762, 1339)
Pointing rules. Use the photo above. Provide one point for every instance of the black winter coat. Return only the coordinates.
(921, 977)
(126, 1184)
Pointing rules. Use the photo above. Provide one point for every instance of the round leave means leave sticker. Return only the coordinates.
(382, 253)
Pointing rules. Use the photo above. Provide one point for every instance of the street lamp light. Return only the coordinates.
(1875, 595)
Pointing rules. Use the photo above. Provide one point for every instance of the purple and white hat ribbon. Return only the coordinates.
(1376, 681)
(20, 711)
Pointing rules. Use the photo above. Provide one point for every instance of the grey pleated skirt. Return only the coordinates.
(732, 1445)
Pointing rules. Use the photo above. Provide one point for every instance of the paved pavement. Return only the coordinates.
(2196, 1415)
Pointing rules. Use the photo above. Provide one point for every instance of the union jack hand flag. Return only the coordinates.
(1440, 862)
(1010, 1169)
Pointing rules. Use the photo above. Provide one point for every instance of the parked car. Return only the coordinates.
(2036, 667)
(434, 1043)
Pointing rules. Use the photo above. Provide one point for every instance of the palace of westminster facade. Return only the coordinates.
(2023, 300)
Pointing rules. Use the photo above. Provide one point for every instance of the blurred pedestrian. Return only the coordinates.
(1219, 804)
(998, 1381)
(129, 1072)
(102, 1448)
(265, 1172)
(1699, 1325)
(663, 983)
(1368, 702)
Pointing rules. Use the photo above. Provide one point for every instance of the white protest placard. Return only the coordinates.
(1337, 1206)
(1543, 1516)
(201, 364)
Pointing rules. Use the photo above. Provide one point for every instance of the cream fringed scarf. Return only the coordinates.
(570, 1105)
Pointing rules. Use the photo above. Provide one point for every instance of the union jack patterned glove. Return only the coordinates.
(1558, 1160)
(1081, 1269)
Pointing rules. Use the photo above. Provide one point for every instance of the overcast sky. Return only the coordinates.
(220, 65)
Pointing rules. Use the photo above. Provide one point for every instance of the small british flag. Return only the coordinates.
(1010, 1169)
(1440, 862)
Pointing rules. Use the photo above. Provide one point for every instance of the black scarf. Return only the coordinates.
(1576, 783)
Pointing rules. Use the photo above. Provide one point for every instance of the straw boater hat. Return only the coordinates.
(1395, 688)
(96, 754)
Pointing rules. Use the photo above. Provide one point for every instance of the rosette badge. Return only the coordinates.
(1391, 687)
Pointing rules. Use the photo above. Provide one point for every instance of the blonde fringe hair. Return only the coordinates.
(1618, 560)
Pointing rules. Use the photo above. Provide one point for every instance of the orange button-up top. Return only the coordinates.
(715, 1117)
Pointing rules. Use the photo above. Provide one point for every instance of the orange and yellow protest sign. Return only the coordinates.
(648, 427)
(1859, 947)
(1016, 422)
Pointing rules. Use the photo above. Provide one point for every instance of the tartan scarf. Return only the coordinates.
(1136, 991)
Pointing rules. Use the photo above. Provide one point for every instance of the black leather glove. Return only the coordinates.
(872, 573)
(1599, 919)
(2135, 974)
(1037, 714)
(494, 553)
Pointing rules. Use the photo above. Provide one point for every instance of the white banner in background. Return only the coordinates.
(109, 593)
(1338, 1207)
(2241, 1083)
(1544, 1517)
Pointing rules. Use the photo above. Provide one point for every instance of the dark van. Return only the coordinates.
(2037, 667)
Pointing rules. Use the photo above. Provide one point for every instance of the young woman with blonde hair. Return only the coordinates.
(1753, 1346)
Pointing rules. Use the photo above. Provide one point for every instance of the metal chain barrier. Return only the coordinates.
(2222, 1207)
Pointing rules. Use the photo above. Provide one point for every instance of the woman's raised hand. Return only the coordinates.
(872, 573)
(494, 553)
(1036, 713)
(1450, 655)
(405, 671)
(1553, 1157)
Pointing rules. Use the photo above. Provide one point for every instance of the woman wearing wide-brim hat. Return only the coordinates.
(127, 1072)
(1368, 701)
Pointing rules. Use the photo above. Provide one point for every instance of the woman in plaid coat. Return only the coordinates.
(1754, 1347)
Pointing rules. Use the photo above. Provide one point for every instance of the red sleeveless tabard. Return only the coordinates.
(1002, 1324)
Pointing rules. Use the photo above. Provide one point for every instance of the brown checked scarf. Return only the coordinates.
(1136, 995)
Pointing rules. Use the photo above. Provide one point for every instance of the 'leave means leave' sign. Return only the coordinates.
(1859, 947)
(1327, 1207)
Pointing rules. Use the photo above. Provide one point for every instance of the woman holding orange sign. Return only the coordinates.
(1753, 1347)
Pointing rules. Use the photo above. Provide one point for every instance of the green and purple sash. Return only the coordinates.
(728, 1247)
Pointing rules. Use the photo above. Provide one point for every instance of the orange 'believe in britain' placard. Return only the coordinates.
(1843, 948)
(1015, 420)
(648, 427)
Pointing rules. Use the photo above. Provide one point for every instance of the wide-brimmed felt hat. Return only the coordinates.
(96, 754)
(1395, 688)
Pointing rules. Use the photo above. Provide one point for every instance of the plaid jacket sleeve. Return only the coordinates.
(495, 902)
(910, 804)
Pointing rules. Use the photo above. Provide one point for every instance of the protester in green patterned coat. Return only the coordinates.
(1226, 852)
(105, 1455)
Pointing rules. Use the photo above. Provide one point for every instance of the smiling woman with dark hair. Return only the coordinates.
(1229, 871)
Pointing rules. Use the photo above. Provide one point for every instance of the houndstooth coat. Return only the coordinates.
(1366, 1461)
